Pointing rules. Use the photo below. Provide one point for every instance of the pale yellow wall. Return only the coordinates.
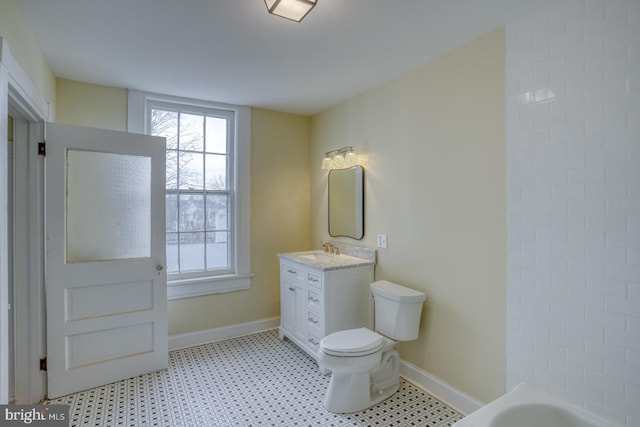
(25, 50)
(434, 146)
(280, 202)
(86, 104)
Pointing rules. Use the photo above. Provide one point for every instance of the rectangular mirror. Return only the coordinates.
(346, 202)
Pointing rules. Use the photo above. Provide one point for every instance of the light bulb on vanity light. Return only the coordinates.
(350, 159)
(338, 161)
(326, 162)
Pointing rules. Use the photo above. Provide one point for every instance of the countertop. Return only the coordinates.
(320, 260)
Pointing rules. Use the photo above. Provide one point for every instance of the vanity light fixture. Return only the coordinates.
(294, 10)
(341, 158)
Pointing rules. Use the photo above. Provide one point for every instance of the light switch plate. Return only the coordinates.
(382, 241)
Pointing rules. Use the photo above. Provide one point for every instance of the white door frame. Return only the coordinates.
(29, 321)
(17, 90)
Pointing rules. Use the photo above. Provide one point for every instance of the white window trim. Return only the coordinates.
(138, 102)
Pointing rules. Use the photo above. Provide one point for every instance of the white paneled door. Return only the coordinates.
(105, 255)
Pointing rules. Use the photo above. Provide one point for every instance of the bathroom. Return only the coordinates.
(503, 230)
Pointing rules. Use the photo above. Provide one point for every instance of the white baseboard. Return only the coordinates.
(439, 389)
(217, 334)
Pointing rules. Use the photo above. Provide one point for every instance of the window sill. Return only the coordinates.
(187, 288)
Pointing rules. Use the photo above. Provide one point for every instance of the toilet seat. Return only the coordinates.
(352, 343)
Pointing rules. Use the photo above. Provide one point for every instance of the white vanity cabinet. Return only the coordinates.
(317, 299)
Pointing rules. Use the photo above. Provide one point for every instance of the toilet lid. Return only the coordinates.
(352, 342)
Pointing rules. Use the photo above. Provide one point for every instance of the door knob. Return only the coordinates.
(159, 267)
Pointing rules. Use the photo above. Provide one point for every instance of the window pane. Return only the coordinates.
(171, 206)
(217, 250)
(217, 212)
(191, 252)
(191, 212)
(172, 253)
(199, 190)
(216, 135)
(216, 172)
(172, 170)
(191, 132)
(108, 206)
(165, 123)
(190, 171)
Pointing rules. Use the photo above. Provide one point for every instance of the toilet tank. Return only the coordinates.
(397, 310)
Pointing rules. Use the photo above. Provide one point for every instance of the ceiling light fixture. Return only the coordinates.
(294, 10)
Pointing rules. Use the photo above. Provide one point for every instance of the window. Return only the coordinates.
(207, 185)
(199, 187)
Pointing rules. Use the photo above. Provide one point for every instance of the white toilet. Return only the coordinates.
(364, 365)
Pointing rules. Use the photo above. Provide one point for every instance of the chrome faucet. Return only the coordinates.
(330, 249)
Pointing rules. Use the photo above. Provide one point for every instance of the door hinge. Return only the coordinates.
(42, 148)
(43, 364)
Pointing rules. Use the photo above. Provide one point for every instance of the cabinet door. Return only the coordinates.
(301, 313)
(288, 306)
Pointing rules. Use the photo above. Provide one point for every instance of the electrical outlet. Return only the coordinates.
(382, 241)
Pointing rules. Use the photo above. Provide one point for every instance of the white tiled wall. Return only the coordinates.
(573, 141)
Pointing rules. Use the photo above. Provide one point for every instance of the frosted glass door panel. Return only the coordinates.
(108, 209)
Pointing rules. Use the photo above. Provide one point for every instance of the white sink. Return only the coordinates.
(319, 257)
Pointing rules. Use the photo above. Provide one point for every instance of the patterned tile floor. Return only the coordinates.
(255, 380)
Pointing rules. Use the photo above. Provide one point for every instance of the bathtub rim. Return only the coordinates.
(525, 393)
